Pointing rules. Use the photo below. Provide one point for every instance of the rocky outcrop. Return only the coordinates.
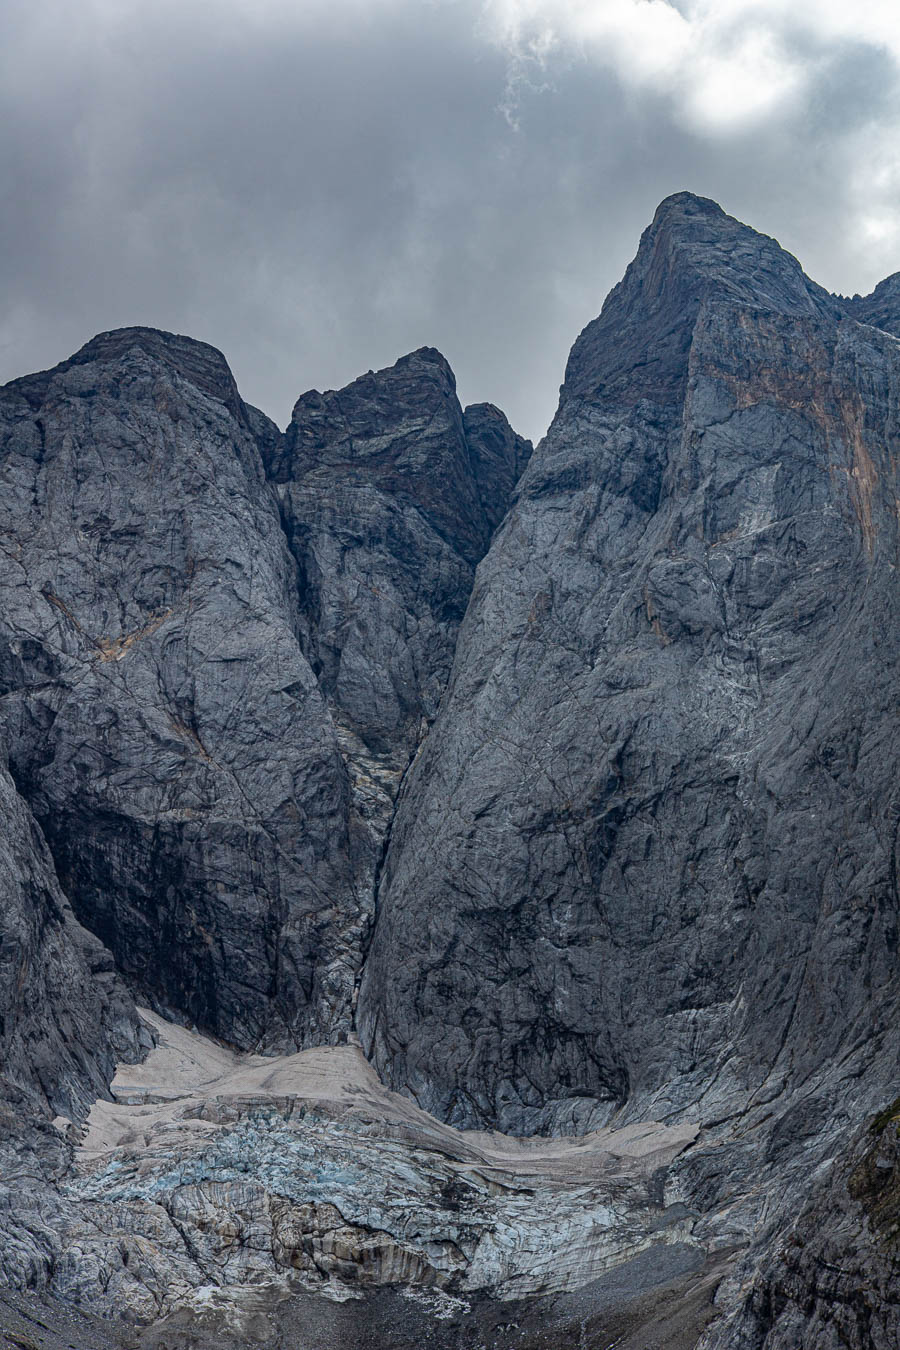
(831, 1281)
(498, 458)
(162, 719)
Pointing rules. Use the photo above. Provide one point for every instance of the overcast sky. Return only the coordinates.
(318, 186)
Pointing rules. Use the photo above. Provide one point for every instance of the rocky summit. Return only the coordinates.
(450, 892)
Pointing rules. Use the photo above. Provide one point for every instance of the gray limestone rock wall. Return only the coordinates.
(620, 761)
(162, 719)
(647, 858)
(498, 458)
(388, 494)
(881, 308)
(210, 728)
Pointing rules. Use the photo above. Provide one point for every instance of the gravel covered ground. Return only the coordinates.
(659, 1301)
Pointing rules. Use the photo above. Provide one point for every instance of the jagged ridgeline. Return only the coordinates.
(567, 781)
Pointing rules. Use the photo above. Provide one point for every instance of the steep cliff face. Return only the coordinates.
(162, 719)
(214, 803)
(210, 681)
(647, 858)
(881, 308)
(612, 730)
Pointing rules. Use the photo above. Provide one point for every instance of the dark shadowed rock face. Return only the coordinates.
(691, 253)
(498, 457)
(647, 857)
(832, 1279)
(402, 430)
(65, 1017)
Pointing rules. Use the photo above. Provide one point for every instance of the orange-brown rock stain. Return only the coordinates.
(653, 619)
(810, 390)
(113, 649)
(862, 475)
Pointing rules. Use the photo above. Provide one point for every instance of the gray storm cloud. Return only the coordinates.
(318, 189)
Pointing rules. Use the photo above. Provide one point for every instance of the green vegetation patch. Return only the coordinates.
(884, 1118)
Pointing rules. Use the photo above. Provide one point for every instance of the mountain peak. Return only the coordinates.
(688, 204)
(428, 356)
(692, 252)
(197, 362)
(692, 242)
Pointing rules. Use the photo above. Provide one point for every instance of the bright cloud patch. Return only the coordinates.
(726, 64)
